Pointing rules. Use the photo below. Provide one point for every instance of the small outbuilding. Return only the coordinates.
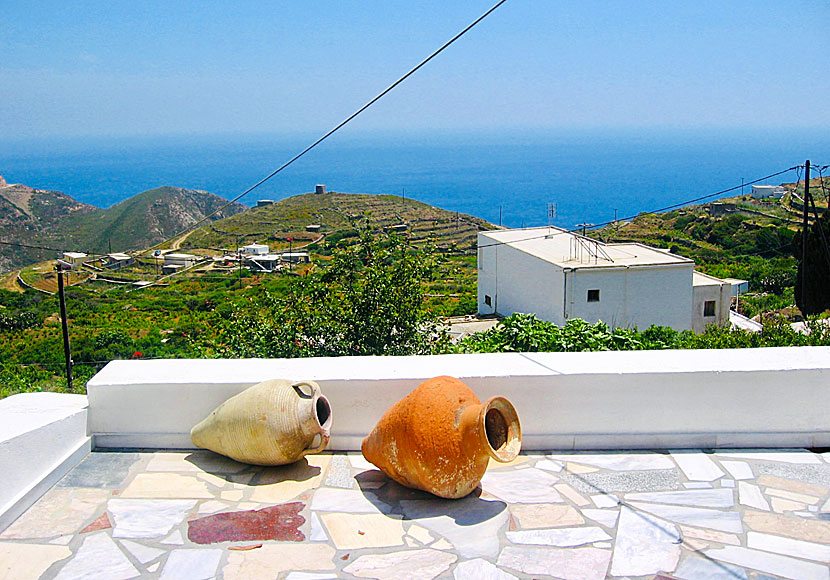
(75, 258)
(256, 249)
(767, 191)
(183, 260)
(296, 257)
(118, 260)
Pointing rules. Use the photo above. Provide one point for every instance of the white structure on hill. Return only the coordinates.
(75, 258)
(256, 249)
(558, 275)
(767, 191)
(180, 260)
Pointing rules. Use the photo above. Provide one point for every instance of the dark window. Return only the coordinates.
(487, 300)
(709, 308)
(593, 295)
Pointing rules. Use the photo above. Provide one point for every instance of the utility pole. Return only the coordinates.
(805, 215)
(742, 186)
(583, 226)
(239, 261)
(59, 268)
(499, 216)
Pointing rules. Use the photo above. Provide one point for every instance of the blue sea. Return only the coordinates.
(508, 177)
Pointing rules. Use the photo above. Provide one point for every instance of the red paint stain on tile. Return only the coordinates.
(102, 523)
(279, 522)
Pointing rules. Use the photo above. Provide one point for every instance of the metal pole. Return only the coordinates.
(65, 327)
(805, 215)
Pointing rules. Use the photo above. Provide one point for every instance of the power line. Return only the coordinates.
(30, 246)
(339, 126)
(673, 206)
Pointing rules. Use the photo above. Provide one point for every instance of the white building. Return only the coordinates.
(183, 260)
(75, 258)
(256, 249)
(264, 262)
(767, 191)
(711, 298)
(118, 260)
(558, 275)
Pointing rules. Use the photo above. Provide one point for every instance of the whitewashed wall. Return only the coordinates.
(42, 437)
(647, 399)
(637, 296)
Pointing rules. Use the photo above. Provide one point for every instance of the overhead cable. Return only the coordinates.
(336, 128)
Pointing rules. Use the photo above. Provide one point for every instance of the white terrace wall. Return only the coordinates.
(42, 437)
(775, 397)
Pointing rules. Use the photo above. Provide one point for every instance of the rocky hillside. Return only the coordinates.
(36, 217)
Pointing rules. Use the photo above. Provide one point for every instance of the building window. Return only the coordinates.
(487, 300)
(593, 295)
(709, 308)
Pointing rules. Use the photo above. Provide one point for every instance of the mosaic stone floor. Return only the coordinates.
(691, 515)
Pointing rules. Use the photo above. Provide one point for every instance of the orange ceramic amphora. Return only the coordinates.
(440, 437)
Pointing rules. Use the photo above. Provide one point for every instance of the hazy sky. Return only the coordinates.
(147, 67)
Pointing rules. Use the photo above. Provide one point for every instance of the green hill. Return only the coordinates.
(339, 215)
(52, 219)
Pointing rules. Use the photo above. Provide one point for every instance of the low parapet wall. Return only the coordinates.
(772, 397)
(42, 437)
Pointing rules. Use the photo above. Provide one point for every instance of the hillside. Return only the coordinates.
(340, 214)
(52, 219)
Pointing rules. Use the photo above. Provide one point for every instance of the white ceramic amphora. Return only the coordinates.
(271, 423)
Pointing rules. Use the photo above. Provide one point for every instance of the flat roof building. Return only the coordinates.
(558, 275)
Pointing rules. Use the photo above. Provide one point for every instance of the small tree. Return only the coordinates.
(816, 299)
(368, 301)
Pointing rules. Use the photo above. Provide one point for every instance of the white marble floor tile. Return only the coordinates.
(644, 545)
(696, 568)
(788, 546)
(142, 553)
(604, 517)
(738, 469)
(564, 563)
(480, 569)
(185, 564)
(698, 517)
(549, 465)
(770, 563)
(522, 486)
(559, 537)
(604, 500)
(147, 518)
(97, 553)
(317, 533)
(750, 495)
(719, 498)
(697, 485)
(621, 461)
(697, 466)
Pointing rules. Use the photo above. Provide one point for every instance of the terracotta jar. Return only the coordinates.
(440, 437)
(272, 423)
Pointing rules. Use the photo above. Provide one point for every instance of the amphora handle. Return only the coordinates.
(320, 406)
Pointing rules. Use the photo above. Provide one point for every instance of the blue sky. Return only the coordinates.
(152, 68)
